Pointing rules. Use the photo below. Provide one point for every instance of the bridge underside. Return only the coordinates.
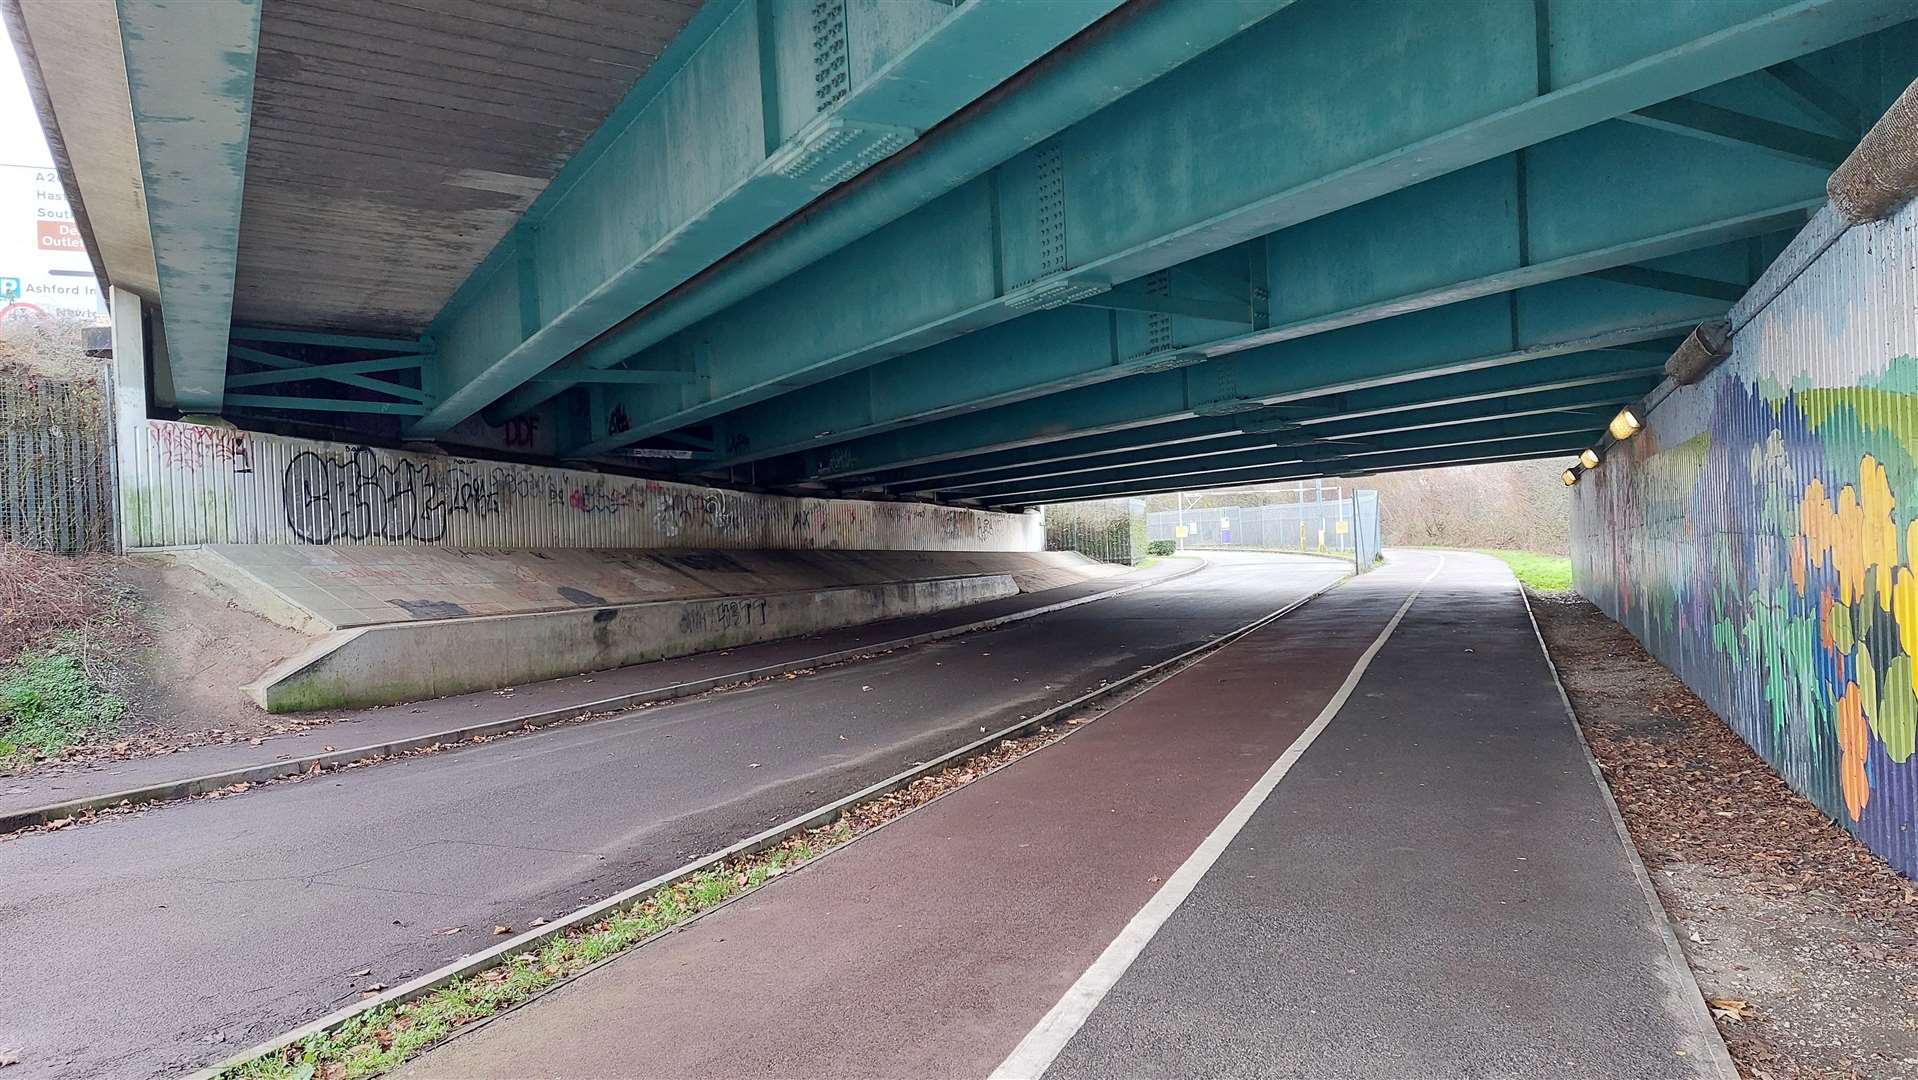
(999, 252)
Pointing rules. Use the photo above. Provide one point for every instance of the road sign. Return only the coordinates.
(44, 270)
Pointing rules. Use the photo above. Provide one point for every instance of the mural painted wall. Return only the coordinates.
(1761, 536)
(191, 484)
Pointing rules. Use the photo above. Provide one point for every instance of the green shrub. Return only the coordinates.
(48, 701)
(1162, 547)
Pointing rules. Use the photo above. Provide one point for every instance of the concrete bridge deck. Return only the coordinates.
(1365, 841)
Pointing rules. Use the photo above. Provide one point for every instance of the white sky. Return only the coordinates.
(21, 142)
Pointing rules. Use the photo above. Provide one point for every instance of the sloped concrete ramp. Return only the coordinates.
(341, 586)
(397, 624)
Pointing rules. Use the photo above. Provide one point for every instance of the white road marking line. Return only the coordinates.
(1035, 1053)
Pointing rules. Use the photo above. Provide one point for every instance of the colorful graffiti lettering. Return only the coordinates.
(1762, 539)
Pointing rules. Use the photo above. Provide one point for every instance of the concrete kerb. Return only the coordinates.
(173, 791)
(1685, 989)
(772, 837)
(1336, 557)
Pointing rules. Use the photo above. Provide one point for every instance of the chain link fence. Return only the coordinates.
(56, 460)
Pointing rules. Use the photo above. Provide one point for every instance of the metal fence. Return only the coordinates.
(1110, 530)
(1346, 526)
(56, 462)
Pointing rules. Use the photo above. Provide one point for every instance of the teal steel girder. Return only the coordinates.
(302, 369)
(1459, 454)
(775, 106)
(1345, 111)
(1594, 200)
(1128, 50)
(1608, 372)
(1470, 453)
(190, 71)
(392, 346)
(407, 362)
(1574, 315)
(1732, 129)
(1576, 422)
(1578, 401)
(339, 405)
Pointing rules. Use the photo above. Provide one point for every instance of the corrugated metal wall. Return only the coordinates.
(191, 484)
(1761, 536)
(56, 451)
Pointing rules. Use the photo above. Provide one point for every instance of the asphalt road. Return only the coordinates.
(929, 947)
(1435, 888)
(154, 944)
(58, 782)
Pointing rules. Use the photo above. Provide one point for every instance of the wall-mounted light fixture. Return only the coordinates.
(1570, 476)
(1625, 425)
(1588, 457)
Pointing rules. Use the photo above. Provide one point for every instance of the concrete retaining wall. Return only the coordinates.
(183, 484)
(376, 665)
(347, 585)
(1761, 535)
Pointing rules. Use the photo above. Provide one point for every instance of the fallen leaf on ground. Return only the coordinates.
(498, 930)
(450, 930)
(361, 974)
(1732, 1009)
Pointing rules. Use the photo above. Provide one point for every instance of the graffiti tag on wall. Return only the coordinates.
(722, 616)
(356, 496)
(194, 484)
(192, 446)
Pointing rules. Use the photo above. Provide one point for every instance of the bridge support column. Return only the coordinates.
(129, 398)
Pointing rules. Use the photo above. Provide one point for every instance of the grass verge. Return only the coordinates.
(49, 700)
(382, 1039)
(1537, 570)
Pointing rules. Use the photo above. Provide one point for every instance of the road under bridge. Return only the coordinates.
(659, 283)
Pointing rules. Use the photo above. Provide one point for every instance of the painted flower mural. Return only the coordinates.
(1762, 537)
